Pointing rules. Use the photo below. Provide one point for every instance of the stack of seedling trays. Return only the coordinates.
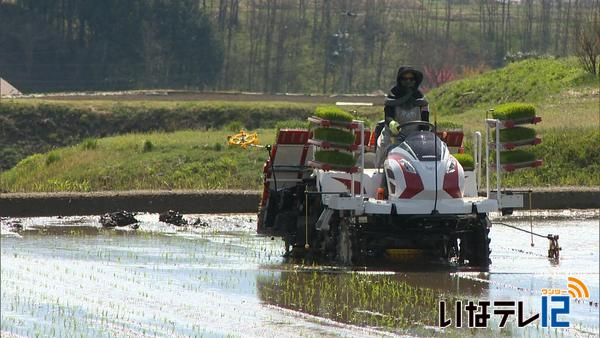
(512, 117)
(334, 137)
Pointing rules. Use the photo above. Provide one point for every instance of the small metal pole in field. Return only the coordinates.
(530, 218)
(498, 167)
(487, 160)
(306, 245)
(477, 158)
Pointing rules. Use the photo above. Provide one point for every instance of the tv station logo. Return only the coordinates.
(555, 303)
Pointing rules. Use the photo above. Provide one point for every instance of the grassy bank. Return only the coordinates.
(33, 126)
(179, 160)
(533, 81)
(29, 126)
(202, 160)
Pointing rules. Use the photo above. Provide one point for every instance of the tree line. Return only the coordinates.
(109, 44)
(329, 46)
(318, 46)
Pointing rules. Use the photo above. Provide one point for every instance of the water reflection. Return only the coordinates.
(401, 301)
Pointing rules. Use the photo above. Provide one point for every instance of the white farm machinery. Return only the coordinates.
(420, 203)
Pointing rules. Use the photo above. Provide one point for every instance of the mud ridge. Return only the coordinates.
(219, 201)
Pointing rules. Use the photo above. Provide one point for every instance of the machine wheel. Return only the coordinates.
(475, 245)
(267, 215)
(287, 223)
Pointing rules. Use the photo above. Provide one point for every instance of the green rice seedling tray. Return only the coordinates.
(335, 158)
(517, 137)
(333, 113)
(514, 114)
(513, 111)
(334, 135)
(465, 160)
(334, 138)
(516, 134)
(516, 156)
(331, 123)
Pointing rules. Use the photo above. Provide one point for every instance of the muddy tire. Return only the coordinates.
(475, 245)
(285, 224)
(481, 256)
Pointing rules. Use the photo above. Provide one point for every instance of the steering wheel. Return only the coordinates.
(430, 126)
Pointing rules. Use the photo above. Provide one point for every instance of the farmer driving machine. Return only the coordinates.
(328, 199)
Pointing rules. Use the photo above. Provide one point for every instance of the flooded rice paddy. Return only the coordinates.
(68, 277)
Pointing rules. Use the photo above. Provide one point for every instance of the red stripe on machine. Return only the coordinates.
(451, 182)
(346, 182)
(414, 185)
(302, 160)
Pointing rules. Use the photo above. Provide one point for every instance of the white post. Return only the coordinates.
(477, 158)
(498, 166)
(487, 160)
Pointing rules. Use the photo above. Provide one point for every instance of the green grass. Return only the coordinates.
(581, 103)
(334, 135)
(516, 134)
(571, 158)
(525, 81)
(180, 160)
(89, 144)
(33, 125)
(513, 111)
(337, 158)
(201, 160)
(448, 126)
(465, 160)
(333, 113)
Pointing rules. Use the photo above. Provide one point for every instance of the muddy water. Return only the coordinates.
(69, 277)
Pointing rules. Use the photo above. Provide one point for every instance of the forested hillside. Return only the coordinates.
(58, 45)
(305, 46)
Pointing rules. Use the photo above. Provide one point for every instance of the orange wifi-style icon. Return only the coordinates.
(577, 288)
